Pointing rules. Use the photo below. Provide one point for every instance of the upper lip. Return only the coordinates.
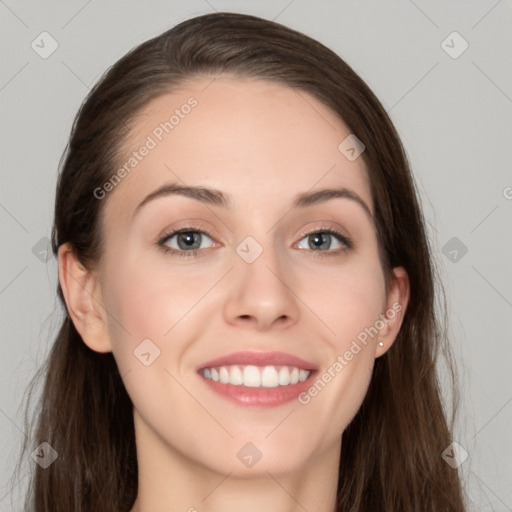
(260, 359)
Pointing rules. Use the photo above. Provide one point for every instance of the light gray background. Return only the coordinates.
(453, 114)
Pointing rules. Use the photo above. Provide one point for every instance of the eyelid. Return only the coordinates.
(322, 227)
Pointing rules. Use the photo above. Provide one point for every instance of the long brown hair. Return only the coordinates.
(391, 451)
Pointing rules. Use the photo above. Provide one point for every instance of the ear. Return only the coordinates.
(395, 307)
(82, 294)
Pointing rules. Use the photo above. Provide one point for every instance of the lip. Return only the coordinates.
(259, 397)
(260, 359)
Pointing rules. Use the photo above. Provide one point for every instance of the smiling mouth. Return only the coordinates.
(253, 376)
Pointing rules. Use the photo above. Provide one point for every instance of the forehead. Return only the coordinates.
(257, 140)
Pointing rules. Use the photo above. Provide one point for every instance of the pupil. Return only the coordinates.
(188, 238)
(322, 237)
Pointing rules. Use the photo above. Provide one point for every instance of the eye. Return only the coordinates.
(187, 242)
(183, 242)
(322, 240)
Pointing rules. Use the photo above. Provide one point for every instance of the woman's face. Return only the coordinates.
(257, 274)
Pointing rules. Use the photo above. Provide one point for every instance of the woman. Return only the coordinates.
(248, 289)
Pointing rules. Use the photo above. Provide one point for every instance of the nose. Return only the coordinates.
(261, 293)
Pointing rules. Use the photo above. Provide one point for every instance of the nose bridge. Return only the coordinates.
(261, 291)
(262, 266)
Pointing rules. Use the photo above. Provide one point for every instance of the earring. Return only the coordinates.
(381, 344)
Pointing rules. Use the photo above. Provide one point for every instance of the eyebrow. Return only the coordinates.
(216, 197)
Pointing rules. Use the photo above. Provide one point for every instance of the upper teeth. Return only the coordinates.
(256, 376)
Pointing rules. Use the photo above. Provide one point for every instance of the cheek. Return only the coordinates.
(351, 302)
(348, 299)
(148, 291)
(145, 302)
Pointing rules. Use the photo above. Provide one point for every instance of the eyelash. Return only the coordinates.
(196, 229)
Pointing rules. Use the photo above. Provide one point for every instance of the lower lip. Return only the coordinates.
(259, 397)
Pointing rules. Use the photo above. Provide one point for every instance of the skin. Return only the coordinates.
(260, 143)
